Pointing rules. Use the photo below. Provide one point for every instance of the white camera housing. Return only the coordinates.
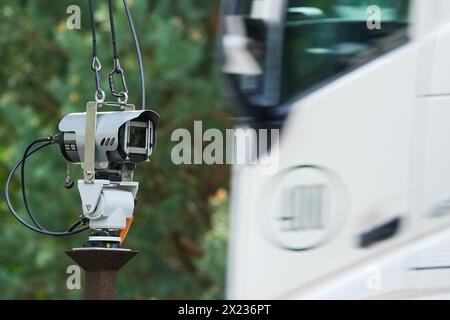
(120, 137)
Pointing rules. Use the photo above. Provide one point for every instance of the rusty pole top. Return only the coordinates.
(101, 266)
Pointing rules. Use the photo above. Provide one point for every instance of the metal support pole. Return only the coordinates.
(101, 266)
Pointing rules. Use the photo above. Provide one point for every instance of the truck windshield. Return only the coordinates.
(277, 51)
(326, 38)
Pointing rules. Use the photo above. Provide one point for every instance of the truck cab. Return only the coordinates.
(359, 207)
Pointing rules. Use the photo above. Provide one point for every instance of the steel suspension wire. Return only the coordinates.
(96, 66)
(113, 30)
(123, 96)
(138, 51)
(117, 70)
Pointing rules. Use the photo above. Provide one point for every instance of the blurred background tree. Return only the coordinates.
(180, 223)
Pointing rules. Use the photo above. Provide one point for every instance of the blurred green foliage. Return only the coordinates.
(180, 220)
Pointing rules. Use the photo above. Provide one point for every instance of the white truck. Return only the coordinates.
(360, 206)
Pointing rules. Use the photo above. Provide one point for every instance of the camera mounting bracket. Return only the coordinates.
(107, 205)
(89, 148)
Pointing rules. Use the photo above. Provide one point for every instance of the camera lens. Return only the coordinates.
(137, 137)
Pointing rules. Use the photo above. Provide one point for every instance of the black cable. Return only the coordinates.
(76, 224)
(14, 213)
(139, 54)
(22, 180)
